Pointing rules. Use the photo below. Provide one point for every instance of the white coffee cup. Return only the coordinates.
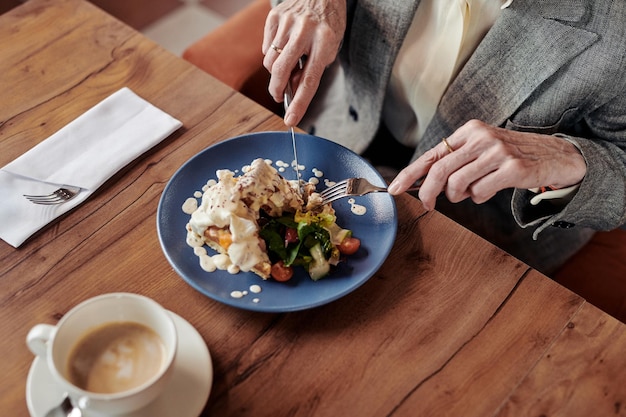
(55, 345)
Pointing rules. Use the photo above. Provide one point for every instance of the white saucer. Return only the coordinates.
(186, 395)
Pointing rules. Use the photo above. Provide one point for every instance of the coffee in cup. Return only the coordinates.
(112, 353)
(116, 356)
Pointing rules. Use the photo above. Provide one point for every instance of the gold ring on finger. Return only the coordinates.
(276, 48)
(448, 147)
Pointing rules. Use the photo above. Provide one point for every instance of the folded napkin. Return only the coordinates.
(84, 154)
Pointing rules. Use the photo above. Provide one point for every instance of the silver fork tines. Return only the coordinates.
(59, 196)
(355, 187)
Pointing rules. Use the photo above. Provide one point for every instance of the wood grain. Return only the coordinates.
(450, 325)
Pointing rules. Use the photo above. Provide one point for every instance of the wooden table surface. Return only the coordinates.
(449, 326)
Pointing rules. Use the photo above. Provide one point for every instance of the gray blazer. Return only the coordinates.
(547, 66)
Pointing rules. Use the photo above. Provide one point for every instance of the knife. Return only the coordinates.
(287, 101)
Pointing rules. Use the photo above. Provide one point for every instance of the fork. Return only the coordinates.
(356, 187)
(59, 196)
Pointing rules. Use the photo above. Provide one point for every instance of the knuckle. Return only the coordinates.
(310, 80)
(430, 156)
(475, 124)
(438, 172)
(477, 196)
(455, 187)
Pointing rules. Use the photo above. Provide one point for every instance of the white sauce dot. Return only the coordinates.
(356, 209)
(197, 194)
(255, 288)
(255, 300)
(233, 269)
(300, 166)
(236, 294)
(190, 205)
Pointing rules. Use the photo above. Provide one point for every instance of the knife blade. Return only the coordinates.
(287, 101)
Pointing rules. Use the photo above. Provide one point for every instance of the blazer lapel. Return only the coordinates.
(526, 45)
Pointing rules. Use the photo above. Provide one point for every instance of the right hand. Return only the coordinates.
(311, 28)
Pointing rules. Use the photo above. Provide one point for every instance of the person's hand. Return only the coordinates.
(297, 28)
(486, 159)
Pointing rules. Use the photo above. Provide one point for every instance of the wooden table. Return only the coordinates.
(449, 326)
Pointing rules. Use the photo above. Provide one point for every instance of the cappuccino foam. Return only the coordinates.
(116, 357)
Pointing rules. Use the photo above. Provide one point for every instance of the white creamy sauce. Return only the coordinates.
(199, 251)
(206, 263)
(209, 184)
(194, 240)
(190, 205)
(329, 183)
(355, 208)
(317, 173)
(254, 289)
(280, 166)
(222, 262)
(300, 166)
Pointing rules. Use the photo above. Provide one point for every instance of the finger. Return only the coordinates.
(269, 31)
(276, 45)
(445, 158)
(465, 172)
(305, 85)
(416, 170)
(406, 178)
(307, 82)
(283, 70)
(500, 178)
(485, 188)
(271, 56)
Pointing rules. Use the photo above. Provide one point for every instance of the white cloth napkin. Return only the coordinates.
(84, 154)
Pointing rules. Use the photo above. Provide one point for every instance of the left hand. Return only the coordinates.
(487, 159)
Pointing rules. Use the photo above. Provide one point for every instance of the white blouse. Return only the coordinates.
(443, 35)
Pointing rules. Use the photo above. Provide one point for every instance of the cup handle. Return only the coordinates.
(38, 338)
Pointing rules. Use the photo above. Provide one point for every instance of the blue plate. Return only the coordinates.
(376, 228)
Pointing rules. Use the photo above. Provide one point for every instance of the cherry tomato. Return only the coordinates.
(280, 272)
(291, 235)
(349, 245)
